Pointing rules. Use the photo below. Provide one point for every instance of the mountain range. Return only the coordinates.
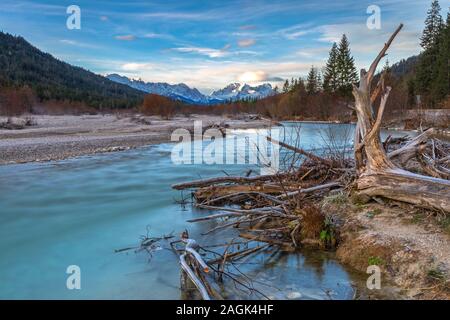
(181, 92)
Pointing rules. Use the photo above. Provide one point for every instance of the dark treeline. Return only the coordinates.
(296, 104)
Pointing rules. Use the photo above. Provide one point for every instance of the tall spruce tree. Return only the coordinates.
(286, 86)
(428, 68)
(313, 81)
(433, 26)
(330, 78)
(441, 84)
(319, 80)
(386, 67)
(346, 69)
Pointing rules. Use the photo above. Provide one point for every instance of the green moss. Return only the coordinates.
(436, 274)
(377, 261)
(445, 224)
(418, 217)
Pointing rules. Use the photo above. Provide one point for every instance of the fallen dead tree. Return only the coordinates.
(280, 209)
(377, 173)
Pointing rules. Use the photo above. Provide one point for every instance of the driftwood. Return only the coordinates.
(301, 151)
(194, 278)
(409, 151)
(239, 254)
(269, 208)
(224, 193)
(377, 173)
(218, 180)
(308, 190)
(204, 276)
(431, 168)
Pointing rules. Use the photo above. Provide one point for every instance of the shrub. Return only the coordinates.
(158, 105)
(16, 101)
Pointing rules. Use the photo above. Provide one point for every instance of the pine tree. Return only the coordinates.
(330, 78)
(433, 26)
(441, 83)
(286, 86)
(386, 67)
(347, 74)
(319, 80)
(312, 85)
(428, 70)
(300, 85)
(276, 90)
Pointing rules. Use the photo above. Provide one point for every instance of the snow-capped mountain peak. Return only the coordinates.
(236, 91)
(228, 92)
(182, 92)
(179, 91)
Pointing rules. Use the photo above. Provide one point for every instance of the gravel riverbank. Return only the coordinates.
(61, 137)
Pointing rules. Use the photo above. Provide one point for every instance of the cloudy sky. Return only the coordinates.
(210, 43)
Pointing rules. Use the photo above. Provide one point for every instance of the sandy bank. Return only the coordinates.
(61, 137)
(410, 246)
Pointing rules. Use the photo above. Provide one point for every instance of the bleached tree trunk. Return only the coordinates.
(377, 174)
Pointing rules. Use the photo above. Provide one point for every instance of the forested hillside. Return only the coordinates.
(22, 65)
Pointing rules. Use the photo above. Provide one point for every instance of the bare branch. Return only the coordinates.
(379, 88)
(300, 151)
(218, 180)
(382, 53)
(312, 189)
(377, 125)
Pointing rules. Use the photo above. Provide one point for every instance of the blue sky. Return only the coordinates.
(208, 44)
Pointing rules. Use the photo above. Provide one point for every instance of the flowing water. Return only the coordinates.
(78, 211)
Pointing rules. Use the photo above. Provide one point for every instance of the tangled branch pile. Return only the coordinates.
(285, 209)
(281, 209)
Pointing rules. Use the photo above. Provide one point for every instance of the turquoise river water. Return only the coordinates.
(78, 211)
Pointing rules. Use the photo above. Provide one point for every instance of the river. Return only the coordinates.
(78, 211)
